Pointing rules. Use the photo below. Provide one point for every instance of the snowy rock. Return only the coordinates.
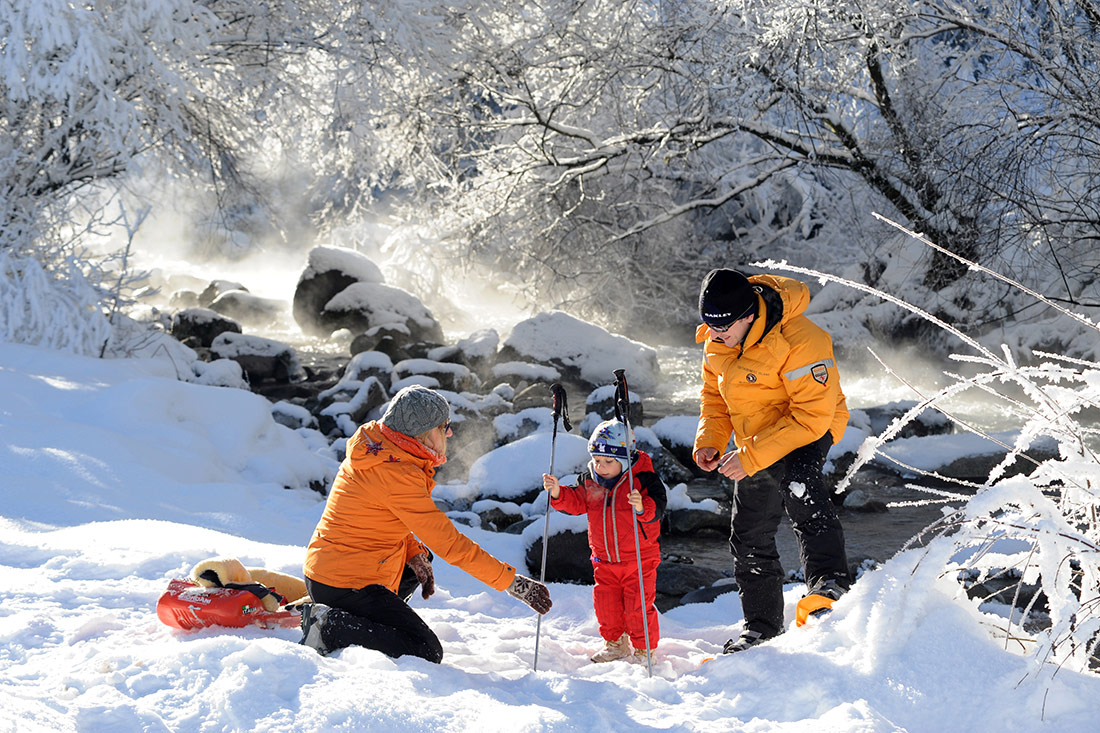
(212, 291)
(453, 377)
(200, 326)
(582, 351)
(328, 271)
(249, 309)
(513, 426)
(690, 521)
(480, 349)
(568, 555)
(525, 372)
(261, 359)
(497, 516)
(877, 418)
(392, 340)
(182, 299)
(602, 401)
(860, 501)
(293, 416)
(530, 382)
(508, 474)
(677, 434)
(361, 306)
(350, 403)
(708, 594)
(369, 364)
(678, 578)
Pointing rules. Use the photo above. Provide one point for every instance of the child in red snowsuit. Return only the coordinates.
(612, 507)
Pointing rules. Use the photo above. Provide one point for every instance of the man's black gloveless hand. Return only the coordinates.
(533, 593)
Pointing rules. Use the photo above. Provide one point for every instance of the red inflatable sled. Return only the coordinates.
(187, 605)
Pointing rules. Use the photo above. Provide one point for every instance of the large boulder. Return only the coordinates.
(508, 473)
(361, 306)
(329, 270)
(582, 351)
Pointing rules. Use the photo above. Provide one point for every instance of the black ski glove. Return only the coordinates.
(422, 569)
(533, 593)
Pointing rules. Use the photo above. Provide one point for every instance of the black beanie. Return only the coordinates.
(726, 296)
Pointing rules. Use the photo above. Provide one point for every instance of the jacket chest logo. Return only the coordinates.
(750, 377)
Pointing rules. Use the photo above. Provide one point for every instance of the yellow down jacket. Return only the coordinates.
(776, 391)
(380, 504)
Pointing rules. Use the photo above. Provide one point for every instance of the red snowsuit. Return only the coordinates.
(614, 559)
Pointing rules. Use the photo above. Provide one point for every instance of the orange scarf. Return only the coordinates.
(413, 446)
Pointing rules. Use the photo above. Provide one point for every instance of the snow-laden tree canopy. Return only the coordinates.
(599, 155)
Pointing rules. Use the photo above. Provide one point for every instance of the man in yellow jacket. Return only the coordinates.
(370, 548)
(770, 381)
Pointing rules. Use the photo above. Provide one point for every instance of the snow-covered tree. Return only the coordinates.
(575, 143)
(90, 91)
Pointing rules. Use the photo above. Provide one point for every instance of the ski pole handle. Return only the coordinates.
(622, 397)
(561, 405)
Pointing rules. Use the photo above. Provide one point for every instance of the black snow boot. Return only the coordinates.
(313, 619)
(748, 639)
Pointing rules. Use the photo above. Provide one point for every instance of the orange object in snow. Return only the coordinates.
(188, 606)
(812, 605)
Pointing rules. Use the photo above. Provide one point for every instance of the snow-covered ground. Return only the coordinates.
(115, 478)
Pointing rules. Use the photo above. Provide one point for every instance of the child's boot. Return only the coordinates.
(643, 657)
(618, 649)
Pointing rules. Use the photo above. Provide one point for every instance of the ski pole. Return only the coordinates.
(561, 410)
(622, 406)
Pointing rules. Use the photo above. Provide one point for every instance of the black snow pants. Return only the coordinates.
(375, 618)
(757, 507)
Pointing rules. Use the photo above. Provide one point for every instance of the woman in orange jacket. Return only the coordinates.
(770, 380)
(370, 549)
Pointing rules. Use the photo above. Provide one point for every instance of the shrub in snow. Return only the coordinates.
(43, 308)
(1042, 522)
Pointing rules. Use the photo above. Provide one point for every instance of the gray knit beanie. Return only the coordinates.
(416, 409)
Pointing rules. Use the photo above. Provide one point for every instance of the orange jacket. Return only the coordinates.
(778, 390)
(380, 499)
